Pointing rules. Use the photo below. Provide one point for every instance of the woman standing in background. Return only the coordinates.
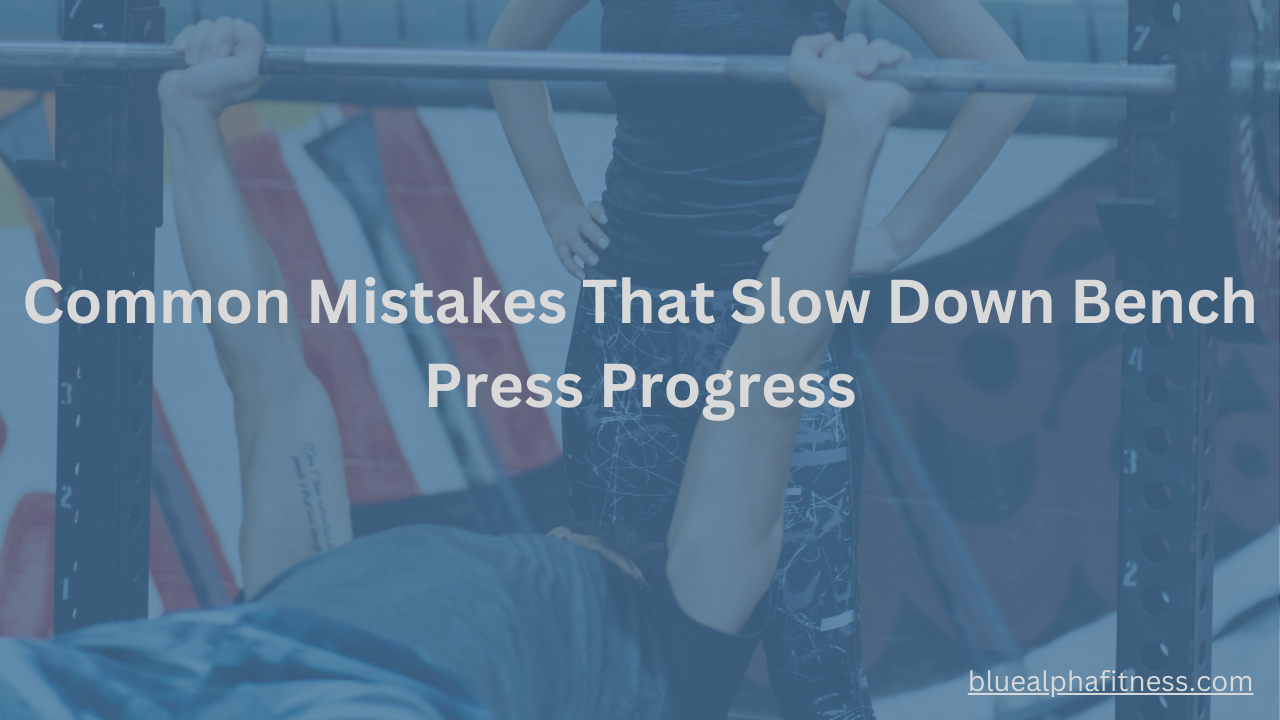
(700, 179)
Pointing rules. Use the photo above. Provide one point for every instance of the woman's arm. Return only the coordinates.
(525, 111)
(960, 29)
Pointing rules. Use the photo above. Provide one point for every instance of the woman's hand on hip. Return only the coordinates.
(877, 250)
(574, 229)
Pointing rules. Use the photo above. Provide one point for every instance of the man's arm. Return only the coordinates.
(726, 534)
(294, 488)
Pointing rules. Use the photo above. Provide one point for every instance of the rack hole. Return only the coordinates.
(1204, 596)
(1204, 546)
(86, 423)
(1159, 387)
(1208, 388)
(1203, 657)
(1166, 13)
(1204, 493)
(82, 518)
(1159, 441)
(1155, 548)
(1157, 495)
(1154, 654)
(1206, 439)
(1155, 600)
(1153, 708)
(1160, 336)
(87, 374)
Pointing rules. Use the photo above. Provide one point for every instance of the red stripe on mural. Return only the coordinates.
(48, 260)
(229, 585)
(447, 254)
(167, 570)
(26, 568)
(376, 468)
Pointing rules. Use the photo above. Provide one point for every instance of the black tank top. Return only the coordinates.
(700, 172)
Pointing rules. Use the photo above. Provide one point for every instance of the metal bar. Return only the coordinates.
(946, 75)
(108, 182)
(942, 550)
(1165, 533)
(341, 155)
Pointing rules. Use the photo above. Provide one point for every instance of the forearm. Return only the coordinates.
(292, 480)
(960, 29)
(726, 532)
(224, 251)
(524, 108)
(817, 243)
(980, 130)
(293, 484)
(292, 476)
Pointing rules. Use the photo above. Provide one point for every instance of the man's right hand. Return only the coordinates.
(570, 228)
(222, 57)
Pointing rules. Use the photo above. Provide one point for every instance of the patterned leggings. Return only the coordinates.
(625, 464)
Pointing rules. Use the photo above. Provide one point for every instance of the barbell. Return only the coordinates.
(954, 75)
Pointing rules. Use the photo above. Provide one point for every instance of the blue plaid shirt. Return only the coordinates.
(247, 661)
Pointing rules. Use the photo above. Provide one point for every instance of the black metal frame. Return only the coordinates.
(1165, 560)
(108, 180)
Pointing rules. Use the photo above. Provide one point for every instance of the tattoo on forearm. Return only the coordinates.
(311, 485)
